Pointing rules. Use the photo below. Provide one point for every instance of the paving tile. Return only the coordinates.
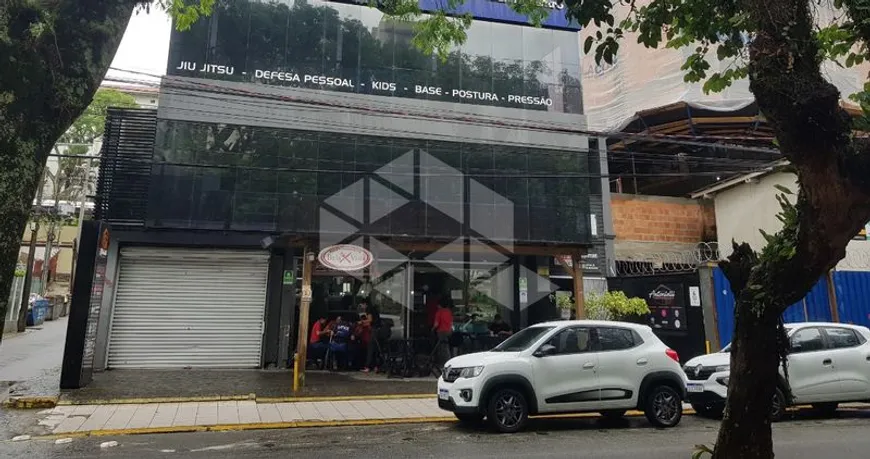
(228, 412)
(99, 419)
(248, 413)
(165, 415)
(366, 410)
(269, 412)
(348, 410)
(289, 412)
(427, 408)
(186, 415)
(70, 424)
(121, 417)
(309, 411)
(328, 411)
(206, 414)
(403, 408)
(385, 409)
(143, 416)
(64, 409)
(84, 410)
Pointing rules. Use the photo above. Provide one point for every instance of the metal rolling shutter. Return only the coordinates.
(177, 308)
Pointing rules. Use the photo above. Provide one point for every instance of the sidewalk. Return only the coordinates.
(235, 415)
(30, 362)
(145, 418)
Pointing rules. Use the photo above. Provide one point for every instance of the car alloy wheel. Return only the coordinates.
(664, 407)
(777, 406)
(508, 410)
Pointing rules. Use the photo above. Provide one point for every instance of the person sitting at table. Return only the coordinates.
(499, 328)
(339, 346)
(318, 341)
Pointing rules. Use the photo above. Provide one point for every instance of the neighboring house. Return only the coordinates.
(746, 204)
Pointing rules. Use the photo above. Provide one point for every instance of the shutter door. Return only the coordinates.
(177, 308)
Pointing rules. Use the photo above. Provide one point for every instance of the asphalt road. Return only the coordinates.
(842, 438)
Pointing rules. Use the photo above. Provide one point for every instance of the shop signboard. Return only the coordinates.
(345, 257)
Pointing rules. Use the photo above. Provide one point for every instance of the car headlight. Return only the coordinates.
(723, 368)
(471, 372)
(723, 380)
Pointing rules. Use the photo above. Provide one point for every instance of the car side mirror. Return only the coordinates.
(545, 350)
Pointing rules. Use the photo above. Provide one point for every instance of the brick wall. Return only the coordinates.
(662, 219)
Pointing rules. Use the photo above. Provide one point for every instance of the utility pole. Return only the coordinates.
(31, 254)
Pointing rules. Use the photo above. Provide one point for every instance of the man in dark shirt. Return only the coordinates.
(500, 328)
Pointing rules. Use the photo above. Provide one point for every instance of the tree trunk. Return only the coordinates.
(53, 56)
(745, 432)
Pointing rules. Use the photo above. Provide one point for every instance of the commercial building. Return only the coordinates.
(291, 124)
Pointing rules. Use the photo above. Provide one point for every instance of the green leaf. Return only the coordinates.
(587, 45)
(783, 189)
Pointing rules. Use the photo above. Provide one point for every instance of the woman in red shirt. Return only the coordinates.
(443, 328)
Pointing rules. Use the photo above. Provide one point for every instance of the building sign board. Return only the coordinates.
(345, 257)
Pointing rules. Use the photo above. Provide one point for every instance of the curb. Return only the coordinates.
(300, 425)
(30, 402)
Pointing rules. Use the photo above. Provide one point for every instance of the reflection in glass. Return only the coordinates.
(212, 175)
(355, 48)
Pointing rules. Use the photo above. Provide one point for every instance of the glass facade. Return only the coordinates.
(215, 176)
(356, 49)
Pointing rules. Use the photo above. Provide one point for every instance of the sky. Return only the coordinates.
(145, 46)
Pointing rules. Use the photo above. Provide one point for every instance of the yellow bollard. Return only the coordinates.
(296, 372)
(708, 345)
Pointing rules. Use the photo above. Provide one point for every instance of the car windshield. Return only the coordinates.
(522, 339)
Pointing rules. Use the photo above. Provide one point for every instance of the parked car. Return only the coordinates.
(566, 367)
(828, 364)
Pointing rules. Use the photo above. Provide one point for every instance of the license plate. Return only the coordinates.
(443, 394)
(695, 388)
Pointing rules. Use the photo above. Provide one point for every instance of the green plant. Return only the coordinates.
(614, 305)
(564, 301)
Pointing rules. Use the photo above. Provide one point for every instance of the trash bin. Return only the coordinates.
(36, 315)
(55, 306)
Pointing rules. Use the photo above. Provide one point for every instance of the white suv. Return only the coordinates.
(828, 364)
(566, 367)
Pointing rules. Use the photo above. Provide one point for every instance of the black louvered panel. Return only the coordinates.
(125, 166)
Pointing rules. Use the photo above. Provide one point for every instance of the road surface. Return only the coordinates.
(842, 438)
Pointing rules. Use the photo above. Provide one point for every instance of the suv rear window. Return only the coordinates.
(616, 339)
(841, 338)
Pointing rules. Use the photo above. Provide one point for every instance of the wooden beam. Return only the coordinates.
(832, 297)
(579, 294)
(304, 308)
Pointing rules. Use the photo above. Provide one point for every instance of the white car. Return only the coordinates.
(566, 367)
(828, 364)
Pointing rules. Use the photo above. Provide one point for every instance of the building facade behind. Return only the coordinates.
(293, 124)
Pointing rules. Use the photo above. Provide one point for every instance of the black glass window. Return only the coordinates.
(218, 176)
(344, 47)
